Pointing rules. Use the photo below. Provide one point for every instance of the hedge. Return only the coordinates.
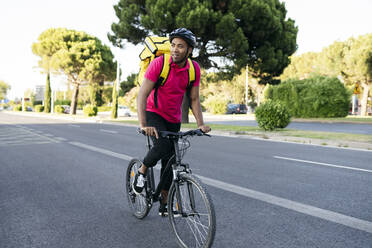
(58, 109)
(39, 108)
(314, 97)
(90, 110)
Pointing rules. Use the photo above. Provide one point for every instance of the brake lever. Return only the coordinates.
(139, 130)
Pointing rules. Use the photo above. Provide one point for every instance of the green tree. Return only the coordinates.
(114, 110)
(47, 95)
(302, 66)
(253, 32)
(4, 87)
(49, 42)
(230, 34)
(128, 84)
(84, 60)
(358, 61)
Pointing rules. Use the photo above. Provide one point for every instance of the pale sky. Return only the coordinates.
(320, 23)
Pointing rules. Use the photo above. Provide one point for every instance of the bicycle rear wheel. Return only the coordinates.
(196, 227)
(139, 204)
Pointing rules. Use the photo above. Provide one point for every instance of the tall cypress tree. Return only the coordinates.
(114, 110)
(47, 95)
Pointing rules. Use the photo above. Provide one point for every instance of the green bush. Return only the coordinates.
(271, 115)
(90, 110)
(216, 104)
(318, 96)
(39, 108)
(58, 109)
(17, 107)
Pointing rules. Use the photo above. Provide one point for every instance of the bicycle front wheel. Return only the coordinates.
(191, 213)
(139, 204)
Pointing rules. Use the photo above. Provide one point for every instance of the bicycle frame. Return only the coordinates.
(190, 208)
(155, 192)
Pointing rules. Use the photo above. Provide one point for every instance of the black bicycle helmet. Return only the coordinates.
(184, 34)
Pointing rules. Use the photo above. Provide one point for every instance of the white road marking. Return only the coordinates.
(18, 135)
(328, 215)
(73, 125)
(41, 136)
(292, 205)
(107, 131)
(103, 151)
(23, 143)
(324, 164)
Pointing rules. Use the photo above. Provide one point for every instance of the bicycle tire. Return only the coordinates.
(197, 226)
(139, 204)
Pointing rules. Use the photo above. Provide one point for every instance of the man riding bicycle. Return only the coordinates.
(160, 109)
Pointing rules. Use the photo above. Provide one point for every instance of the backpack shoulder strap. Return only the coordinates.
(163, 76)
(192, 78)
(192, 75)
(165, 70)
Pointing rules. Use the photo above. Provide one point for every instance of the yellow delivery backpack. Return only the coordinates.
(155, 47)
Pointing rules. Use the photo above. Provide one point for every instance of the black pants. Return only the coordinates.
(163, 148)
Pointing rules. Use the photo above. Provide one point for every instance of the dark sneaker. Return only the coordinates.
(163, 211)
(139, 183)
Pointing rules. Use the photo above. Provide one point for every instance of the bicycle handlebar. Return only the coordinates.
(170, 135)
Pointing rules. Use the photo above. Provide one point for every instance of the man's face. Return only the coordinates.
(179, 50)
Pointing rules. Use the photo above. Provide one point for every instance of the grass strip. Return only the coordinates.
(256, 131)
(349, 119)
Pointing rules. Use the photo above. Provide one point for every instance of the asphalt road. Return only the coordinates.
(353, 128)
(61, 185)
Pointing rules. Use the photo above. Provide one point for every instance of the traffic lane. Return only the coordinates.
(279, 182)
(256, 224)
(70, 197)
(311, 126)
(251, 164)
(73, 205)
(306, 183)
(171, 244)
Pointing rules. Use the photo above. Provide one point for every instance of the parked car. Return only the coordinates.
(66, 109)
(123, 111)
(234, 108)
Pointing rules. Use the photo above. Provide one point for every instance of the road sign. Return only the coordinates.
(356, 88)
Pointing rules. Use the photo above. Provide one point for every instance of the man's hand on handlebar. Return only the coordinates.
(150, 131)
(205, 129)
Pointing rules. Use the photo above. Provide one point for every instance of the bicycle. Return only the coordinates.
(190, 208)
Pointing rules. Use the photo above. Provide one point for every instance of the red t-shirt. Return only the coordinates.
(170, 95)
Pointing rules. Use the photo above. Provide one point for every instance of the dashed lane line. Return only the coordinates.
(103, 151)
(324, 164)
(108, 131)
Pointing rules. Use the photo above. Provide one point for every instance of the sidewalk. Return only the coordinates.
(268, 136)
